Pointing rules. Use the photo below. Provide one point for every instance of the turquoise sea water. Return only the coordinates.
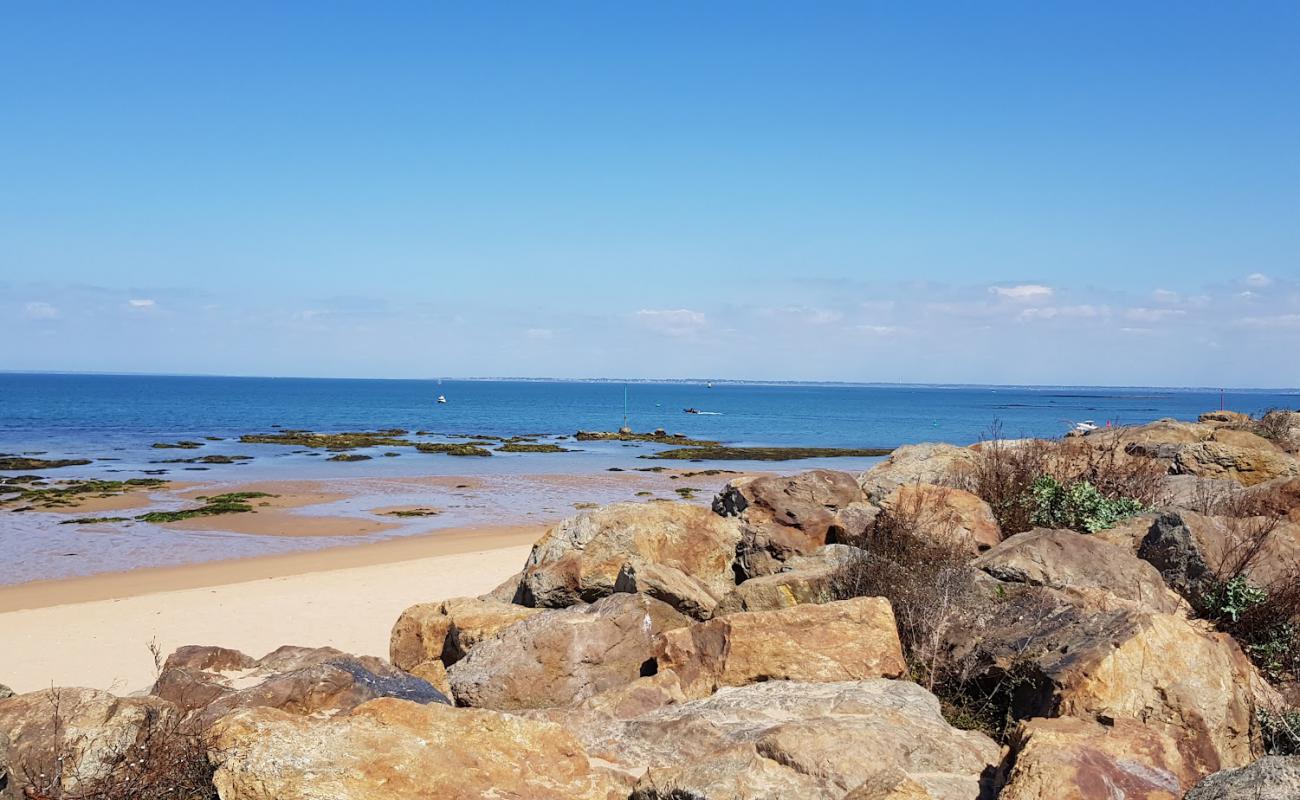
(121, 416)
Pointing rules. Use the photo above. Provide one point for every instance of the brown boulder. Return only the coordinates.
(207, 658)
(740, 773)
(1246, 463)
(505, 592)
(1243, 439)
(941, 512)
(1087, 653)
(447, 630)
(939, 464)
(802, 579)
(1075, 759)
(1063, 559)
(1224, 418)
(845, 640)
(816, 740)
(1155, 434)
(582, 558)
(308, 681)
(68, 737)
(403, 751)
(563, 656)
(782, 516)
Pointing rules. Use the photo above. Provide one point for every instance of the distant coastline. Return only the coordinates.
(679, 381)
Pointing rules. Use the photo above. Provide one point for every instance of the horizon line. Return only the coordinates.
(733, 381)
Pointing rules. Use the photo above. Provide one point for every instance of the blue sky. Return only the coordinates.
(968, 192)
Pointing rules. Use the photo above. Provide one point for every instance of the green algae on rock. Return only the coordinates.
(658, 437)
(215, 459)
(349, 457)
(349, 440)
(72, 492)
(230, 503)
(526, 447)
(452, 449)
(413, 512)
(181, 445)
(10, 462)
(717, 453)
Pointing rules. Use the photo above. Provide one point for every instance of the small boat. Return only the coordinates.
(442, 399)
(690, 411)
(708, 385)
(1087, 426)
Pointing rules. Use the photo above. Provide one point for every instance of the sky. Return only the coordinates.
(1044, 193)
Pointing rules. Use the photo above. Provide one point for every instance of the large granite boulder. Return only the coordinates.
(1224, 417)
(940, 464)
(1247, 461)
(943, 513)
(1147, 439)
(403, 751)
(839, 641)
(563, 656)
(1075, 759)
(1270, 778)
(792, 739)
(675, 552)
(447, 630)
(1063, 559)
(802, 579)
(1193, 551)
(1089, 654)
(298, 680)
(783, 516)
(67, 738)
(739, 773)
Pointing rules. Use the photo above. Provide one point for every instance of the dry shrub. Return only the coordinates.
(1263, 617)
(917, 567)
(164, 762)
(912, 556)
(1281, 426)
(1004, 471)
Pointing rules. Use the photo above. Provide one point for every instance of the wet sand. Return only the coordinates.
(96, 631)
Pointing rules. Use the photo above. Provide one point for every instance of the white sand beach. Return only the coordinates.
(96, 631)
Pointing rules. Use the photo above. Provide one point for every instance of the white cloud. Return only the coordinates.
(1153, 314)
(804, 314)
(1165, 296)
(1065, 312)
(1022, 292)
(672, 322)
(39, 310)
(539, 334)
(1258, 280)
(879, 330)
(142, 302)
(1277, 321)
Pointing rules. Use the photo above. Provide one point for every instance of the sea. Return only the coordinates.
(114, 421)
(122, 416)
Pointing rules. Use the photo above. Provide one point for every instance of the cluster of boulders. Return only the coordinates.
(662, 651)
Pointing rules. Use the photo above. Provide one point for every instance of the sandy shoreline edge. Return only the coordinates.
(95, 631)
